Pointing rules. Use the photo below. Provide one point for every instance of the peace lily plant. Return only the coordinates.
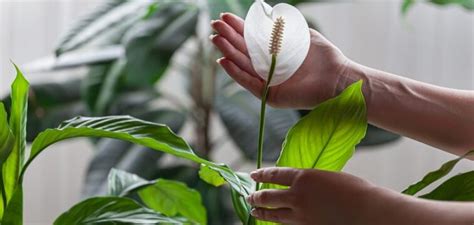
(278, 42)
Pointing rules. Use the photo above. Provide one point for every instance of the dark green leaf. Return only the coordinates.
(240, 113)
(173, 198)
(241, 207)
(7, 141)
(113, 210)
(120, 183)
(435, 175)
(407, 4)
(155, 136)
(151, 44)
(13, 214)
(467, 4)
(457, 188)
(113, 17)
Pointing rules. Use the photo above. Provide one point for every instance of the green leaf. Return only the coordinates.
(151, 43)
(13, 214)
(114, 17)
(457, 188)
(155, 136)
(467, 4)
(120, 183)
(174, 198)
(434, 175)
(325, 139)
(241, 207)
(18, 115)
(7, 141)
(211, 176)
(407, 4)
(113, 210)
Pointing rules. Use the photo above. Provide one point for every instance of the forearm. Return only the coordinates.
(437, 116)
(395, 208)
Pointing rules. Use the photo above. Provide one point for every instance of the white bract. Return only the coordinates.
(258, 34)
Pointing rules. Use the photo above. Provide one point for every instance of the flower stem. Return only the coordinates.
(262, 115)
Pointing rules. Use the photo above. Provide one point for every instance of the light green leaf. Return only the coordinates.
(14, 163)
(120, 183)
(210, 176)
(434, 175)
(326, 138)
(154, 136)
(173, 198)
(457, 188)
(113, 210)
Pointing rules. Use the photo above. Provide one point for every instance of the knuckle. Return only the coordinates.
(262, 197)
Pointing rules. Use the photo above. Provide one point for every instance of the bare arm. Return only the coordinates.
(441, 117)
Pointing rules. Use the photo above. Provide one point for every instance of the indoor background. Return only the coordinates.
(430, 44)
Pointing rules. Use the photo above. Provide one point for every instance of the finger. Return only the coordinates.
(275, 175)
(248, 81)
(234, 21)
(271, 198)
(226, 31)
(230, 52)
(282, 215)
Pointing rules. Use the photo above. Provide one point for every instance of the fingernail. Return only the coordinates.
(218, 61)
(254, 212)
(213, 21)
(254, 174)
(212, 36)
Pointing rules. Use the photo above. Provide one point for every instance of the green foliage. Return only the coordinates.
(113, 210)
(174, 198)
(435, 175)
(457, 188)
(210, 176)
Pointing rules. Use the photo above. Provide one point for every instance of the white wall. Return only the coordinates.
(432, 45)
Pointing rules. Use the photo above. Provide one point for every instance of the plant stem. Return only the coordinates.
(262, 115)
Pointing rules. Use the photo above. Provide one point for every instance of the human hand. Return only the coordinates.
(314, 82)
(317, 197)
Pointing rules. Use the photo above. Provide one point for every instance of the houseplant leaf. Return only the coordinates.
(151, 43)
(434, 175)
(113, 210)
(120, 183)
(155, 136)
(111, 17)
(457, 188)
(173, 198)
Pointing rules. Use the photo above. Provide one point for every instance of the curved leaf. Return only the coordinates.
(210, 176)
(155, 136)
(151, 44)
(113, 15)
(457, 188)
(174, 198)
(113, 210)
(434, 175)
(240, 113)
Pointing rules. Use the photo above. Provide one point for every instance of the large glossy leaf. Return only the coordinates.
(326, 138)
(121, 183)
(114, 16)
(457, 188)
(154, 136)
(12, 166)
(151, 43)
(173, 198)
(113, 210)
(240, 113)
(467, 4)
(435, 175)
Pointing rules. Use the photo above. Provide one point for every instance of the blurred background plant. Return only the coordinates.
(130, 49)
